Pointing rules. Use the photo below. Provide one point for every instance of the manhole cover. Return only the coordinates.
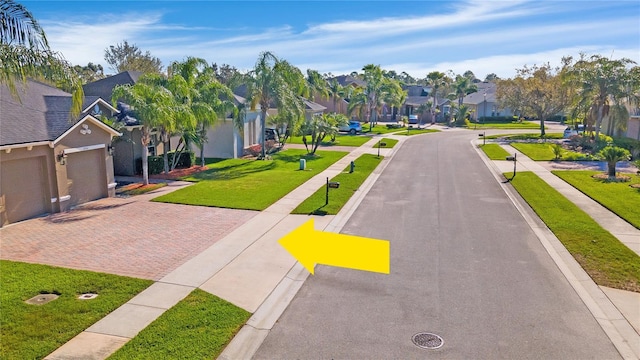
(427, 340)
(87, 296)
(41, 299)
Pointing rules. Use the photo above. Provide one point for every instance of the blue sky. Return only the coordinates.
(342, 36)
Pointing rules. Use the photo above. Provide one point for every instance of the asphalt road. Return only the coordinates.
(464, 266)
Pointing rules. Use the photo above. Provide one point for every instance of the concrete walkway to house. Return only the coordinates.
(248, 268)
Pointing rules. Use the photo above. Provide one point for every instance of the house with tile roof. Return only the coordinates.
(49, 160)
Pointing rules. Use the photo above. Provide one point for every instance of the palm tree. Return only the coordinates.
(201, 97)
(152, 104)
(25, 52)
(613, 154)
(316, 86)
(274, 82)
(337, 92)
(435, 80)
(600, 82)
(462, 87)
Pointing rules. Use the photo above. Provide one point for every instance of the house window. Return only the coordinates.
(152, 149)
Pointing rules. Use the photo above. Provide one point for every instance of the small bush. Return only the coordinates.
(156, 163)
(630, 144)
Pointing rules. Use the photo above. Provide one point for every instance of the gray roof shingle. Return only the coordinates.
(104, 87)
(40, 114)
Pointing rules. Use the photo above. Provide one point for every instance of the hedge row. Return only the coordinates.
(156, 163)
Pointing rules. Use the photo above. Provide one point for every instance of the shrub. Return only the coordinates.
(557, 151)
(630, 144)
(613, 154)
(156, 163)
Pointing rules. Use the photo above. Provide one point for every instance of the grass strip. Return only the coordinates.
(389, 143)
(619, 197)
(528, 136)
(34, 331)
(522, 125)
(414, 131)
(251, 184)
(544, 152)
(341, 140)
(198, 327)
(608, 261)
(494, 151)
(349, 183)
(380, 129)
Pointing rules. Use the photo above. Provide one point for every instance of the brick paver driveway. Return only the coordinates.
(131, 237)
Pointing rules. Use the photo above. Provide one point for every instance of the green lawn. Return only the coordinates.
(34, 331)
(379, 129)
(522, 125)
(251, 184)
(620, 197)
(412, 131)
(608, 261)
(198, 327)
(494, 151)
(341, 140)
(544, 152)
(528, 136)
(349, 182)
(389, 143)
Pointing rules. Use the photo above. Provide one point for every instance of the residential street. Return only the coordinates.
(464, 265)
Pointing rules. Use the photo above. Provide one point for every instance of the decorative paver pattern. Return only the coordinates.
(123, 236)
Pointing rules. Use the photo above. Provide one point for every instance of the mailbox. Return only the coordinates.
(334, 184)
(383, 144)
(511, 158)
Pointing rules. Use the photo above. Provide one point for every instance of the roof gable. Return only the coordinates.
(104, 87)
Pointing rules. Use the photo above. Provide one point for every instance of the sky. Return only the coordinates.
(340, 37)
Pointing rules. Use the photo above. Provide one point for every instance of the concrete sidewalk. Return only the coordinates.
(247, 268)
(617, 311)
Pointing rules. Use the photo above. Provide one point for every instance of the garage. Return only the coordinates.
(86, 176)
(22, 186)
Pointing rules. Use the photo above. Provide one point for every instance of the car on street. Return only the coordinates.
(352, 128)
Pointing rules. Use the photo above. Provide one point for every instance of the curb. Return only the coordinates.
(625, 339)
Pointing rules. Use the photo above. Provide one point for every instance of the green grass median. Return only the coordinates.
(388, 143)
(198, 327)
(609, 262)
(251, 184)
(544, 151)
(341, 140)
(349, 183)
(619, 197)
(494, 151)
(34, 331)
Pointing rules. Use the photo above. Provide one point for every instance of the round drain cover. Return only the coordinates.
(427, 340)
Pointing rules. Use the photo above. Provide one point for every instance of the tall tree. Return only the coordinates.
(322, 126)
(492, 77)
(90, 73)
(538, 90)
(336, 91)
(152, 105)
(275, 82)
(599, 83)
(25, 52)
(128, 57)
(436, 80)
(317, 86)
(462, 87)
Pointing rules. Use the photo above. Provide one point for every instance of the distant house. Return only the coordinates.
(633, 124)
(483, 103)
(342, 104)
(49, 161)
(128, 150)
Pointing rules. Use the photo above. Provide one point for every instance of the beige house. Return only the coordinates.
(50, 162)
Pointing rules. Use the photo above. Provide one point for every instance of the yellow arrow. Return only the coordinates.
(311, 247)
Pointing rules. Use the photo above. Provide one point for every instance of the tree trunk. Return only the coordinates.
(202, 148)
(144, 140)
(263, 122)
(611, 165)
(599, 120)
(542, 132)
